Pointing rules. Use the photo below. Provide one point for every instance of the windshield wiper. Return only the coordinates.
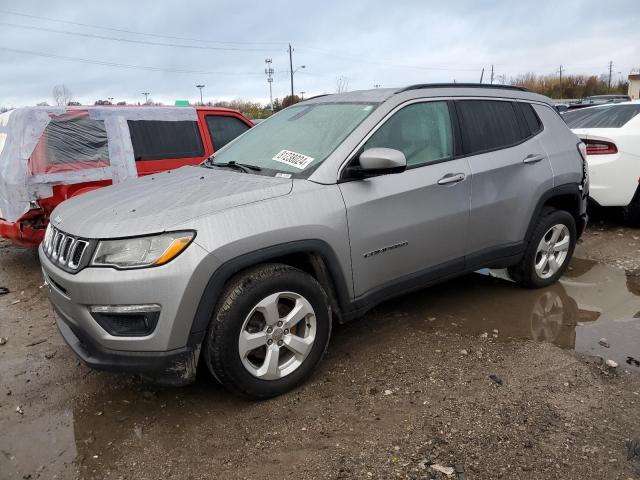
(243, 167)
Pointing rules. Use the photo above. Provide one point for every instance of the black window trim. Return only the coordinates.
(174, 156)
(213, 114)
(502, 147)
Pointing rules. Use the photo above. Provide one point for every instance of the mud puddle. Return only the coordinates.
(594, 310)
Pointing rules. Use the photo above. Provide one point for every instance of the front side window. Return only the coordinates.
(488, 125)
(297, 139)
(159, 140)
(422, 131)
(223, 129)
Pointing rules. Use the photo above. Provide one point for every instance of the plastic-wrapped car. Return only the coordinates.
(50, 154)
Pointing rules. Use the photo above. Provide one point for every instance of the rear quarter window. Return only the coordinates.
(158, 140)
(611, 116)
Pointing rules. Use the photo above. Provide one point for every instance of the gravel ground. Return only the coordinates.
(473, 379)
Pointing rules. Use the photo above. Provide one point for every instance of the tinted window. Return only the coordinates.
(421, 131)
(223, 129)
(611, 116)
(488, 125)
(533, 123)
(156, 140)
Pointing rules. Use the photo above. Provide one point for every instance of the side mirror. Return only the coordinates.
(378, 161)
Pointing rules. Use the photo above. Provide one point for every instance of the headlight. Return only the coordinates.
(138, 252)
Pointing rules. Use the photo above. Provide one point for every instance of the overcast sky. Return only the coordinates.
(122, 48)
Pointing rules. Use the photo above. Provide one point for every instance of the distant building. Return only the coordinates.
(634, 86)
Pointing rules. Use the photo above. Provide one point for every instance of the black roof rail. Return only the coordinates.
(316, 96)
(462, 85)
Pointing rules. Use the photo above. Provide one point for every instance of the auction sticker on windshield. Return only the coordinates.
(293, 159)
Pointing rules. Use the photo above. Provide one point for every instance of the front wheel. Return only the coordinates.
(549, 250)
(269, 331)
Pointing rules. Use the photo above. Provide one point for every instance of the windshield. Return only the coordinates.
(611, 116)
(296, 140)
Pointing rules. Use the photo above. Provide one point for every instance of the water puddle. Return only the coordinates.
(594, 309)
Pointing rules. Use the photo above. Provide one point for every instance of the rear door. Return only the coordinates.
(510, 170)
(408, 227)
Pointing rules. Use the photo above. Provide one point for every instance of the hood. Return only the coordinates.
(158, 202)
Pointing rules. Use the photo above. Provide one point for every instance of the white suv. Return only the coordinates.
(612, 136)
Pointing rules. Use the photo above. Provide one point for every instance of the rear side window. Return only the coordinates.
(71, 141)
(75, 140)
(489, 125)
(533, 123)
(223, 129)
(611, 116)
(158, 140)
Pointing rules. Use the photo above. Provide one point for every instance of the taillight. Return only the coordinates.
(600, 147)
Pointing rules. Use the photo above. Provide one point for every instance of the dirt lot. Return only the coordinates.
(475, 374)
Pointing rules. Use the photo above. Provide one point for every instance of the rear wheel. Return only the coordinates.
(632, 211)
(269, 331)
(549, 250)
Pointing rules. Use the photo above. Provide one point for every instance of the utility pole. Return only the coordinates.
(291, 67)
(200, 87)
(610, 70)
(146, 97)
(491, 74)
(269, 73)
(560, 81)
(302, 95)
(482, 75)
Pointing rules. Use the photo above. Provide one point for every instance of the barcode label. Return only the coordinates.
(296, 160)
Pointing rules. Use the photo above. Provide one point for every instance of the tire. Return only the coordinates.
(252, 305)
(632, 212)
(550, 223)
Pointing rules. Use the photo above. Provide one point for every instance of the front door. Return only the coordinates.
(412, 225)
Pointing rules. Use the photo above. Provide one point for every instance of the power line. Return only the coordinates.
(148, 34)
(127, 40)
(130, 66)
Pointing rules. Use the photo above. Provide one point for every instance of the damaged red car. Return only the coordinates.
(50, 154)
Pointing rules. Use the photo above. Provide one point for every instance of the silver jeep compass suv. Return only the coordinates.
(316, 215)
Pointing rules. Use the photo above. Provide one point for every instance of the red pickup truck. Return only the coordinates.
(72, 150)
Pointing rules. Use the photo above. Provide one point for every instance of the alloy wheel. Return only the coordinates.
(277, 335)
(552, 251)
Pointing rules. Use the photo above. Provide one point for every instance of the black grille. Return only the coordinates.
(77, 253)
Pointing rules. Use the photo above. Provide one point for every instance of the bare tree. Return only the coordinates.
(342, 84)
(61, 95)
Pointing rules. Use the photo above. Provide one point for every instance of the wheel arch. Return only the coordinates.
(315, 257)
(566, 197)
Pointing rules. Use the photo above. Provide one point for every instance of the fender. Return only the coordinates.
(568, 189)
(218, 280)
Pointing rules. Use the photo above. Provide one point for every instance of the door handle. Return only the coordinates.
(532, 158)
(452, 178)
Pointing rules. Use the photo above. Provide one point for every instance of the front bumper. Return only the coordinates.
(174, 368)
(21, 234)
(165, 355)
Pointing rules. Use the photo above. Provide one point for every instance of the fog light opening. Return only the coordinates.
(127, 320)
